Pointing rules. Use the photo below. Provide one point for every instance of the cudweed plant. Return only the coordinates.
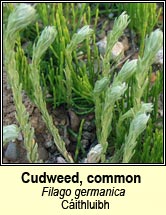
(152, 44)
(140, 109)
(105, 96)
(22, 16)
(45, 40)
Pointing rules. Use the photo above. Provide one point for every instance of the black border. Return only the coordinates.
(79, 164)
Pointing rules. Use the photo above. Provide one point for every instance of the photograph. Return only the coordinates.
(82, 83)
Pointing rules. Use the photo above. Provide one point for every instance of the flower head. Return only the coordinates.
(45, 40)
(94, 154)
(21, 17)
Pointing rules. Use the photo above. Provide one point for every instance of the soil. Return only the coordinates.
(65, 120)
